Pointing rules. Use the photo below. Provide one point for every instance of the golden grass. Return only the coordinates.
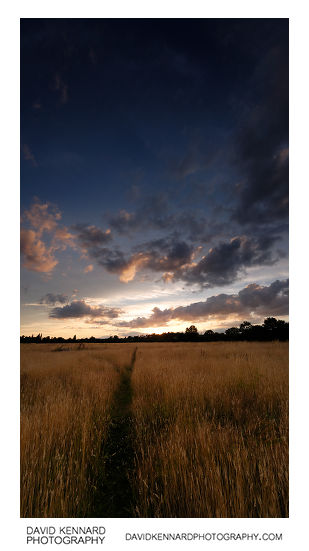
(201, 430)
(211, 430)
(65, 413)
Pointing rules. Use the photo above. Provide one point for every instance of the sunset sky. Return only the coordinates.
(154, 174)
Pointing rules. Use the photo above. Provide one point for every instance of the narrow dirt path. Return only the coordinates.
(114, 498)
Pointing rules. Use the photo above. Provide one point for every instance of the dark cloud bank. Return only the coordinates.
(254, 300)
(178, 260)
(80, 309)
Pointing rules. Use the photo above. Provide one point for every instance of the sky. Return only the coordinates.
(154, 174)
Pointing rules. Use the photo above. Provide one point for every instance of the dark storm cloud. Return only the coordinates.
(176, 259)
(113, 260)
(262, 144)
(273, 298)
(225, 262)
(158, 213)
(153, 212)
(168, 253)
(80, 309)
(51, 299)
(253, 300)
(91, 236)
(159, 255)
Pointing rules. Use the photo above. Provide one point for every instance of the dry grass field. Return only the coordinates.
(154, 430)
(66, 402)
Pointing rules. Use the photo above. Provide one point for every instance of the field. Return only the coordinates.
(154, 430)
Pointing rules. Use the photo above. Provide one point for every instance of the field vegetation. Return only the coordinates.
(66, 403)
(157, 430)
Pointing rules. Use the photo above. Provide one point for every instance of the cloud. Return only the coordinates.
(43, 218)
(61, 87)
(262, 144)
(51, 299)
(152, 212)
(156, 213)
(90, 236)
(254, 300)
(88, 268)
(81, 309)
(198, 156)
(63, 238)
(37, 257)
(225, 262)
(159, 255)
(97, 323)
(186, 224)
(176, 259)
(28, 155)
(188, 165)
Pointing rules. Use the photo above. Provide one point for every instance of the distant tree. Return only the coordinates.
(276, 329)
(192, 330)
(245, 326)
(232, 333)
(271, 323)
(74, 338)
(191, 334)
(208, 335)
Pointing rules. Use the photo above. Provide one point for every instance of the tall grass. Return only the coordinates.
(194, 430)
(211, 424)
(65, 414)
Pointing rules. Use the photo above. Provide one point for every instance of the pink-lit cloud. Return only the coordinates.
(37, 257)
(43, 237)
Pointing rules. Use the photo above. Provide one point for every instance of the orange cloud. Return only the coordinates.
(136, 263)
(37, 257)
(63, 238)
(43, 218)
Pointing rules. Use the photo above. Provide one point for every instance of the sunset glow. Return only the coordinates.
(154, 175)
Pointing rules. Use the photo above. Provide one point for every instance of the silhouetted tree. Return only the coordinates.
(192, 330)
(270, 323)
(232, 333)
(245, 326)
(191, 333)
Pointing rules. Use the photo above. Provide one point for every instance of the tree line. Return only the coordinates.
(271, 329)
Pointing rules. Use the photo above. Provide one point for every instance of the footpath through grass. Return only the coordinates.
(113, 496)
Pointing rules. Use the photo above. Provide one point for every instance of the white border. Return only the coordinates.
(13, 528)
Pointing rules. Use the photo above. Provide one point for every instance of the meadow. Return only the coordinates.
(154, 430)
